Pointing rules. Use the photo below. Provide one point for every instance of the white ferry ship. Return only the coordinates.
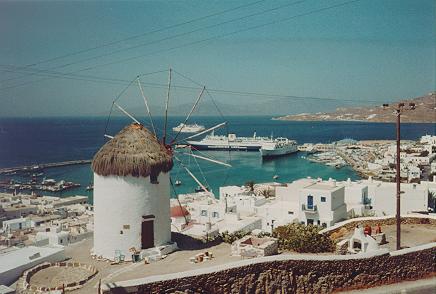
(230, 142)
(184, 128)
(280, 146)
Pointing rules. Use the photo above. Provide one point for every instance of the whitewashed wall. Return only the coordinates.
(120, 201)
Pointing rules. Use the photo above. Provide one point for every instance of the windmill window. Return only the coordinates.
(153, 179)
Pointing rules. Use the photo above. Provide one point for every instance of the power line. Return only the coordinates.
(144, 34)
(166, 38)
(112, 81)
(199, 41)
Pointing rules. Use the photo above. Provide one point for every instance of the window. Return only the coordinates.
(204, 213)
(126, 227)
(290, 212)
(309, 202)
(318, 222)
(324, 225)
(153, 179)
(215, 214)
(322, 199)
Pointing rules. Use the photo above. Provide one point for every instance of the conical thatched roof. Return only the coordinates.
(134, 151)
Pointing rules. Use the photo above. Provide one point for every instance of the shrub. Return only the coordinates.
(232, 237)
(302, 238)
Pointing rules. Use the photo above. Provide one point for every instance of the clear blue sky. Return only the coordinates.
(379, 50)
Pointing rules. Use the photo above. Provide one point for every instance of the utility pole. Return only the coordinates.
(398, 110)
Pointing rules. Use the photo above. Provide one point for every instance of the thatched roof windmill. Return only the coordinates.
(134, 151)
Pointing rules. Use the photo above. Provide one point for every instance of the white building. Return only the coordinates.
(13, 260)
(383, 197)
(355, 197)
(16, 225)
(322, 203)
(433, 167)
(180, 217)
(285, 207)
(131, 193)
(428, 139)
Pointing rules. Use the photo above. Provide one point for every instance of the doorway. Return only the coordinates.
(147, 232)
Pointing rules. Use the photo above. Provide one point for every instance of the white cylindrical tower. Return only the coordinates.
(131, 193)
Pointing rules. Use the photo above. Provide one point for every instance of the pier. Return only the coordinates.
(36, 167)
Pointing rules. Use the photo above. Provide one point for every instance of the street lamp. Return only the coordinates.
(398, 110)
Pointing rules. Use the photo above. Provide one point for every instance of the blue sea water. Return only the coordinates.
(25, 141)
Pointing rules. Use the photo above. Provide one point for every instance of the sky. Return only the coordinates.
(367, 51)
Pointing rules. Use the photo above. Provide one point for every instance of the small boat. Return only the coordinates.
(200, 189)
(90, 187)
(184, 128)
(178, 183)
(275, 177)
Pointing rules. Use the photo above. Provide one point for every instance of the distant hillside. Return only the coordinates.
(425, 112)
(243, 107)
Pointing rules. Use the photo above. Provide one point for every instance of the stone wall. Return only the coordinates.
(24, 286)
(293, 274)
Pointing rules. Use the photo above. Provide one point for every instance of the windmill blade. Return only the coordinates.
(207, 159)
(146, 105)
(190, 113)
(203, 132)
(166, 108)
(108, 136)
(178, 200)
(192, 175)
(126, 113)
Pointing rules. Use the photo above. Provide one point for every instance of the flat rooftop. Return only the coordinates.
(14, 257)
(325, 186)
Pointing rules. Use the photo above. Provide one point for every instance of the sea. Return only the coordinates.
(32, 141)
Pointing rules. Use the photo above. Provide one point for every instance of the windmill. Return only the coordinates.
(176, 145)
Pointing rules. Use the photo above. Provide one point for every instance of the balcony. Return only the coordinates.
(310, 209)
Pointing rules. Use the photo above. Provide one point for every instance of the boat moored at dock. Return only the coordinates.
(279, 147)
(230, 142)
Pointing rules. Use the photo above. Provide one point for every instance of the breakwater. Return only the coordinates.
(36, 167)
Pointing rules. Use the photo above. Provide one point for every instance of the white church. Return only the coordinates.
(131, 194)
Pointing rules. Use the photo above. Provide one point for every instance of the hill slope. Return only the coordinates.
(425, 112)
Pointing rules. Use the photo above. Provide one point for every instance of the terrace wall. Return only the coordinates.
(293, 274)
